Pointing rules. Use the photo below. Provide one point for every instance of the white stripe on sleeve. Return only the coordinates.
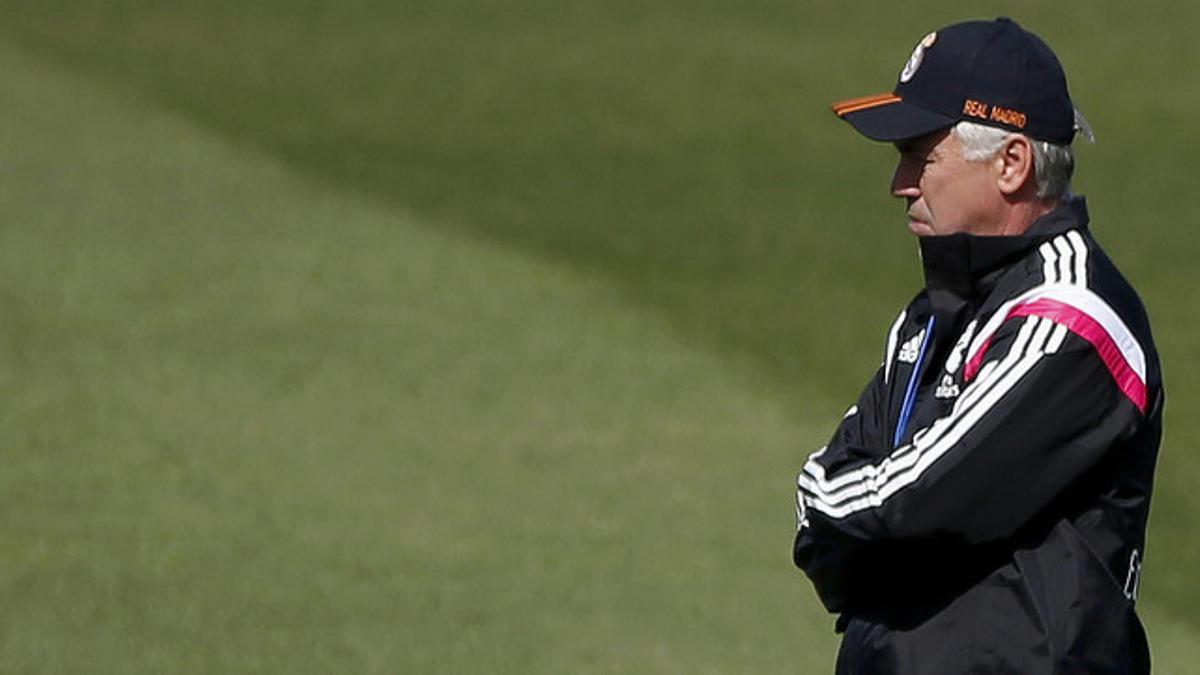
(1081, 253)
(890, 355)
(1065, 257)
(871, 485)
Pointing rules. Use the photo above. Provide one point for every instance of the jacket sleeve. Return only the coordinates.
(837, 564)
(1044, 407)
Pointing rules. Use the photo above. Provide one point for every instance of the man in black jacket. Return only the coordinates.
(983, 506)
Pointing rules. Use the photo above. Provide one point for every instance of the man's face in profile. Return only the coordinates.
(945, 193)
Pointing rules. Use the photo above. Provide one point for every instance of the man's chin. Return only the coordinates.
(920, 228)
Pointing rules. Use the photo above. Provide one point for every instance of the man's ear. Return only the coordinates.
(1014, 163)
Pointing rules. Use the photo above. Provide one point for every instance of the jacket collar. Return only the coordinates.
(966, 265)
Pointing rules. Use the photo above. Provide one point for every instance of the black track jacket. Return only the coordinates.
(982, 508)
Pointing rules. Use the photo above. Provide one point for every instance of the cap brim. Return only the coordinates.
(887, 117)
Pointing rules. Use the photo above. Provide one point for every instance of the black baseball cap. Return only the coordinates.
(994, 73)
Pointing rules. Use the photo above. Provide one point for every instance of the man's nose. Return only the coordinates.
(906, 180)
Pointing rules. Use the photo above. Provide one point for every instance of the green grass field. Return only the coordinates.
(484, 336)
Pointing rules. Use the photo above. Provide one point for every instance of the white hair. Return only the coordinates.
(1053, 164)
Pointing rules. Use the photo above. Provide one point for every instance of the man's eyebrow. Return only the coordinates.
(921, 146)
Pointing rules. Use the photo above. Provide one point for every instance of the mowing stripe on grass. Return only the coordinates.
(254, 423)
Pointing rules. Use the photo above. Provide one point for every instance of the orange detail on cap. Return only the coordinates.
(1013, 118)
(866, 102)
(976, 109)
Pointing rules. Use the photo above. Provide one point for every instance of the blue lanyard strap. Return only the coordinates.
(910, 394)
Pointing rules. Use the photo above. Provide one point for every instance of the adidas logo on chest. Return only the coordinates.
(911, 349)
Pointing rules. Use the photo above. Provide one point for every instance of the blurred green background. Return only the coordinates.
(487, 336)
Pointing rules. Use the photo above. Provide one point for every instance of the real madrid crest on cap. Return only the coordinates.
(914, 61)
